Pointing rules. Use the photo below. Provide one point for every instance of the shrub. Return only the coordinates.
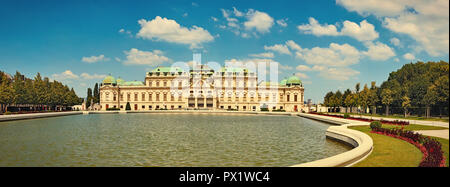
(128, 107)
(346, 115)
(111, 109)
(375, 124)
(264, 109)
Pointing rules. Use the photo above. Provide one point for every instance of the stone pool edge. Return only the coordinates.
(362, 143)
(14, 117)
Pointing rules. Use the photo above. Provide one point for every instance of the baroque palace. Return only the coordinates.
(202, 88)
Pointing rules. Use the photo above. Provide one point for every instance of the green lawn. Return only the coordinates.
(414, 127)
(392, 152)
(445, 119)
(389, 152)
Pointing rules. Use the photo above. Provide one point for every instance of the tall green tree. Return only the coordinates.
(373, 97)
(344, 97)
(406, 104)
(89, 97)
(386, 99)
(6, 92)
(96, 94)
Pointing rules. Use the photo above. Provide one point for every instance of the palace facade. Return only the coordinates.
(171, 88)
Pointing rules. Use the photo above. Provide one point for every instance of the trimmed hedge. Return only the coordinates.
(375, 124)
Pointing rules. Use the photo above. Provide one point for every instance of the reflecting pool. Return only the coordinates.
(165, 140)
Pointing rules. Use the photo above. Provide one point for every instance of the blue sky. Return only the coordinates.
(329, 44)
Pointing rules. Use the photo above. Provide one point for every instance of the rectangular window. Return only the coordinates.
(295, 98)
(128, 97)
(114, 97)
(165, 97)
(288, 98)
(135, 97)
(143, 96)
(121, 97)
(150, 97)
(157, 97)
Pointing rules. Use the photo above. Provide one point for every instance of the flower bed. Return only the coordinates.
(432, 153)
(395, 122)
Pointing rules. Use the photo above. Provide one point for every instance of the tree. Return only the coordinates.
(350, 101)
(430, 99)
(6, 92)
(337, 100)
(373, 97)
(406, 103)
(328, 100)
(386, 99)
(96, 94)
(344, 97)
(363, 99)
(18, 85)
(89, 97)
(357, 87)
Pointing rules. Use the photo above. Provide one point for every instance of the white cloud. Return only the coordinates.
(303, 68)
(316, 29)
(334, 55)
(409, 56)
(362, 32)
(170, 31)
(427, 22)
(294, 46)
(237, 13)
(301, 75)
(214, 19)
(117, 59)
(246, 24)
(260, 21)
(395, 41)
(282, 49)
(330, 73)
(94, 76)
(185, 14)
(263, 55)
(151, 58)
(94, 59)
(337, 73)
(282, 22)
(379, 51)
(65, 75)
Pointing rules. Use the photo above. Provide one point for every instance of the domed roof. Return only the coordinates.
(133, 83)
(283, 82)
(120, 81)
(109, 80)
(293, 80)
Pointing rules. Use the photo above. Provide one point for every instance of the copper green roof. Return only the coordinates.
(293, 80)
(120, 81)
(133, 83)
(109, 80)
(167, 70)
(283, 82)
